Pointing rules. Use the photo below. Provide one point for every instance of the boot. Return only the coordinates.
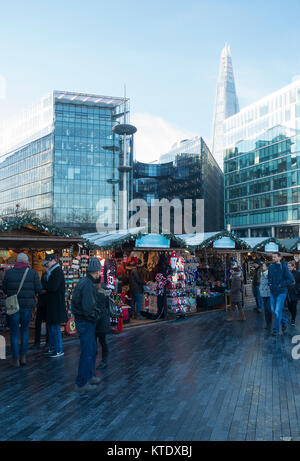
(230, 317)
(242, 314)
(23, 360)
(15, 363)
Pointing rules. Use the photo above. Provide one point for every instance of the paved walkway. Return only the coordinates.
(195, 379)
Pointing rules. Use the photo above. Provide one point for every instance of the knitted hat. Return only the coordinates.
(94, 265)
(22, 257)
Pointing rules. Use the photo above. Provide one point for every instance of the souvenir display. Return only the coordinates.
(181, 297)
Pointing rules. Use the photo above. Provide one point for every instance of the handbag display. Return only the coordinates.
(12, 303)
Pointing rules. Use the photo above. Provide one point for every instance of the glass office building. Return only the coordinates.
(64, 158)
(262, 166)
(188, 171)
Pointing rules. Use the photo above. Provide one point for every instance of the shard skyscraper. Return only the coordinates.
(226, 103)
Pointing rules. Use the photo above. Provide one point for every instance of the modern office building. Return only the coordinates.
(262, 166)
(188, 171)
(60, 158)
(226, 103)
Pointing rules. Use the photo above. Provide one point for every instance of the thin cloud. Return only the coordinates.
(155, 136)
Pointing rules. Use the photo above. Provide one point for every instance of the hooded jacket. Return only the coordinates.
(85, 304)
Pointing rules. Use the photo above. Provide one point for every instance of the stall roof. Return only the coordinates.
(205, 239)
(113, 239)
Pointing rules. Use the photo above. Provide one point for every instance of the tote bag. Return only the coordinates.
(12, 303)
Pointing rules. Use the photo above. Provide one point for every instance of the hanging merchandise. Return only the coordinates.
(180, 291)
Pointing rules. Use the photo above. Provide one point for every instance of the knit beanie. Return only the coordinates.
(22, 257)
(94, 265)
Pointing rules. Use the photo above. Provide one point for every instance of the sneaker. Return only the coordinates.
(101, 366)
(49, 352)
(95, 380)
(87, 388)
(57, 354)
(293, 323)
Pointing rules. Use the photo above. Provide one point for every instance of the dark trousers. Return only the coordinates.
(160, 305)
(40, 318)
(88, 350)
(104, 346)
(268, 310)
(292, 305)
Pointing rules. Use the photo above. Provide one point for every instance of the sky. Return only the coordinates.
(167, 53)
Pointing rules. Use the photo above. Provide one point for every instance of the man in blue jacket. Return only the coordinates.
(279, 279)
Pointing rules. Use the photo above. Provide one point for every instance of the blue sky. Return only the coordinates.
(166, 51)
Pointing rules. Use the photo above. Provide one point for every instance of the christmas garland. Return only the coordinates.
(111, 245)
(17, 222)
(270, 240)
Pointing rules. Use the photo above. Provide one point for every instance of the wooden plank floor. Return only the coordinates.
(195, 379)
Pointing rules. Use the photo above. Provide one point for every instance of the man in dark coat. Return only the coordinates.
(103, 325)
(55, 305)
(279, 279)
(86, 310)
(27, 301)
(236, 294)
(293, 292)
(41, 315)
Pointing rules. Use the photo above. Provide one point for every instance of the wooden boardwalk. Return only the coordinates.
(195, 379)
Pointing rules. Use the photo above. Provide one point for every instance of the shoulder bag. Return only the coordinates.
(12, 303)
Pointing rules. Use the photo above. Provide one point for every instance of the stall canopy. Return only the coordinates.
(31, 233)
(113, 239)
(222, 239)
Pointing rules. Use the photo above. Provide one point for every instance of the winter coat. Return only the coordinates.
(85, 304)
(55, 297)
(103, 325)
(264, 285)
(31, 286)
(279, 278)
(135, 281)
(256, 277)
(236, 289)
(294, 290)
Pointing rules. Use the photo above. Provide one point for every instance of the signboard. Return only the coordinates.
(272, 247)
(224, 242)
(152, 241)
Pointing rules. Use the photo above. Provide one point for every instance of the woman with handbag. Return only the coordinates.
(21, 284)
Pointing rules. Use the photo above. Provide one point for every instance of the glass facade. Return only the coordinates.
(63, 175)
(188, 171)
(262, 172)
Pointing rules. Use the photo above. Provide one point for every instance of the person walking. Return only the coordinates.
(236, 294)
(27, 301)
(265, 295)
(255, 285)
(279, 279)
(136, 287)
(55, 305)
(103, 325)
(293, 295)
(41, 314)
(86, 310)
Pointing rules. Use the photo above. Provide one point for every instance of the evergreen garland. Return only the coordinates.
(17, 222)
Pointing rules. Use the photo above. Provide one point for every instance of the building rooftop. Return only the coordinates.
(92, 99)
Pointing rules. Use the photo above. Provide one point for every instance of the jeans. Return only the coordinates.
(277, 303)
(88, 351)
(55, 338)
(268, 310)
(22, 317)
(257, 296)
(102, 341)
(137, 297)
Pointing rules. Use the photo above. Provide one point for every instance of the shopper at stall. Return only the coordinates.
(41, 314)
(55, 305)
(26, 291)
(103, 325)
(136, 287)
(255, 285)
(293, 295)
(236, 294)
(265, 295)
(279, 279)
(87, 312)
